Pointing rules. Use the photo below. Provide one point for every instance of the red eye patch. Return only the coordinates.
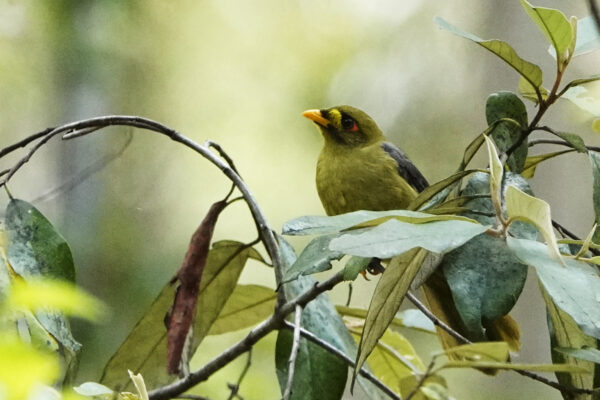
(354, 127)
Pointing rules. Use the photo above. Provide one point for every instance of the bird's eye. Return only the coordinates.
(349, 124)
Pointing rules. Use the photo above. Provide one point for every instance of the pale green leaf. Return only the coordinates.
(315, 257)
(140, 385)
(395, 237)
(580, 96)
(94, 389)
(354, 266)
(516, 367)
(573, 285)
(410, 318)
(496, 171)
(529, 71)
(596, 125)
(523, 207)
(386, 300)
(529, 92)
(482, 351)
(432, 190)
(248, 305)
(595, 163)
(585, 353)
(554, 25)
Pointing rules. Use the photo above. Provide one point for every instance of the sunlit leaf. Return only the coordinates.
(564, 333)
(595, 163)
(22, 368)
(588, 36)
(55, 295)
(140, 385)
(596, 125)
(432, 190)
(145, 349)
(505, 134)
(395, 237)
(94, 389)
(521, 206)
(386, 300)
(496, 171)
(532, 162)
(580, 96)
(529, 71)
(554, 25)
(516, 367)
(573, 285)
(529, 92)
(582, 81)
(410, 318)
(248, 305)
(482, 351)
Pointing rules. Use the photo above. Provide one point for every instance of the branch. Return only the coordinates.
(83, 127)
(335, 351)
(436, 321)
(293, 354)
(274, 322)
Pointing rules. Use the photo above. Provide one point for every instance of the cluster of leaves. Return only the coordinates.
(467, 240)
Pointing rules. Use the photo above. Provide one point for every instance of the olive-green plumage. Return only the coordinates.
(357, 168)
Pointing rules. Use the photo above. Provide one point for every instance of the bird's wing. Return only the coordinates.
(406, 168)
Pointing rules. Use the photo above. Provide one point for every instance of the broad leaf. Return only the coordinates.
(529, 92)
(554, 25)
(595, 162)
(573, 286)
(354, 266)
(588, 36)
(496, 171)
(432, 190)
(318, 375)
(532, 162)
(248, 305)
(574, 140)
(529, 71)
(320, 224)
(582, 81)
(515, 367)
(523, 207)
(581, 97)
(410, 318)
(320, 317)
(506, 134)
(564, 333)
(145, 349)
(386, 300)
(394, 237)
(315, 257)
(482, 351)
(485, 277)
(585, 353)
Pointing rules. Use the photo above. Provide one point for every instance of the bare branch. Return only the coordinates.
(294, 353)
(24, 142)
(335, 351)
(274, 322)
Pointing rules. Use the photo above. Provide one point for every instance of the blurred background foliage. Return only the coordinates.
(240, 73)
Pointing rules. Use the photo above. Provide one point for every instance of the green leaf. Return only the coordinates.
(585, 353)
(577, 82)
(580, 96)
(554, 25)
(395, 237)
(145, 349)
(386, 300)
(354, 266)
(34, 247)
(482, 351)
(320, 224)
(529, 92)
(410, 318)
(496, 171)
(596, 125)
(472, 149)
(94, 389)
(573, 286)
(505, 134)
(485, 277)
(574, 140)
(515, 367)
(564, 332)
(532, 162)
(529, 71)
(523, 207)
(595, 162)
(315, 257)
(588, 37)
(318, 374)
(248, 305)
(320, 317)
(432, 190)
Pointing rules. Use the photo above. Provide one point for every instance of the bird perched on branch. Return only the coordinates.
(358, 169)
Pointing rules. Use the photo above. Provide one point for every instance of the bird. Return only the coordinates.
(359, 169)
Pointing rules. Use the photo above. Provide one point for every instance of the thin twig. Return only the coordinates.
(293, 354)
(335, 351)
(436, 321)
(422, 379)
(274, 322)
(80, 127)
(236, 387)
(24, 142)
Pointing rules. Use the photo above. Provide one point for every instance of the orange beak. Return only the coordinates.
(316, 116)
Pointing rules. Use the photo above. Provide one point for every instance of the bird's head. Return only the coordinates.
(345, 125)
